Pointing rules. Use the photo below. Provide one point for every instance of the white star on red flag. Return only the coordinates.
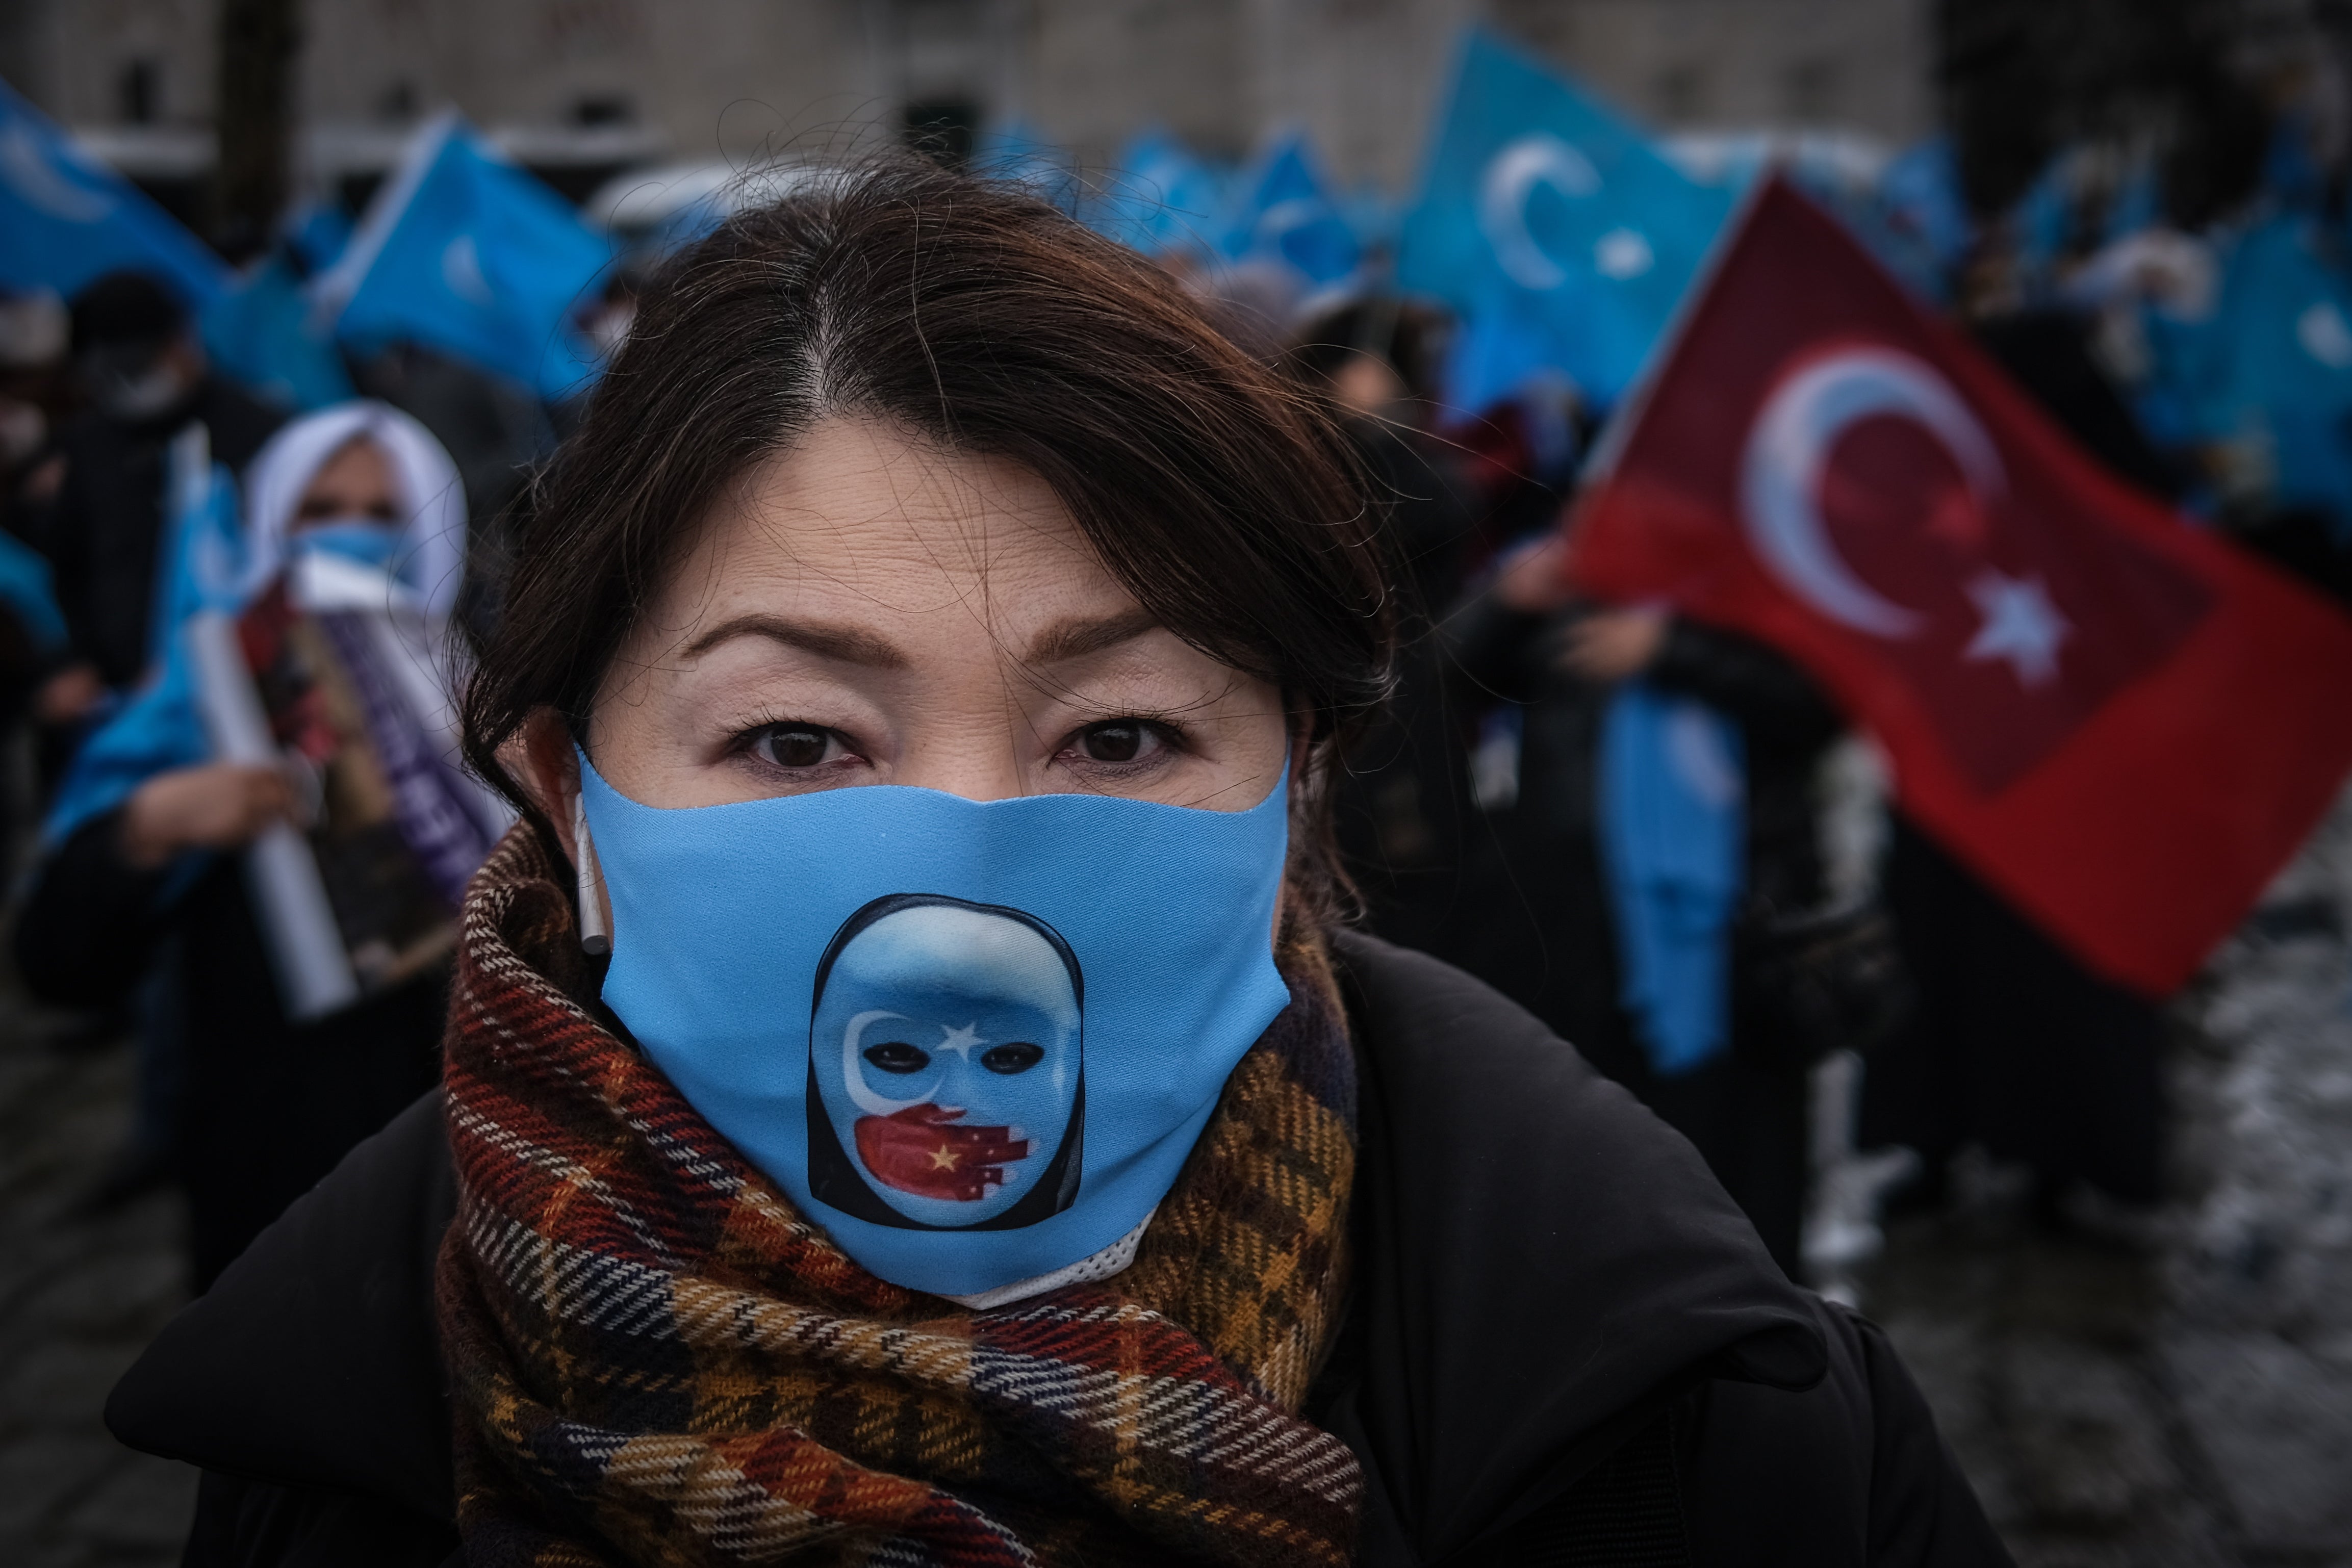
(2021, 627)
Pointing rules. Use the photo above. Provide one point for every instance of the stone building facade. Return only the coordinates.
(601, 83)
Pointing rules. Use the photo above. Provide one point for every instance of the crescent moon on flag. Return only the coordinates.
(862, 1097)
(1789, 446)
(29, 170)
(1512, 175)
(461, 270)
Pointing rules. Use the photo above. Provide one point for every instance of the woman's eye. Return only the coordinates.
(1013, 1056)
(794, 745)
(897, 1056)
(1117, 740)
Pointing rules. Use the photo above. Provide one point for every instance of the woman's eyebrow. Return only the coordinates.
(1079, 635)
(849, 644)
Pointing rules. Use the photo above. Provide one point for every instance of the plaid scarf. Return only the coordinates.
(656, 1359)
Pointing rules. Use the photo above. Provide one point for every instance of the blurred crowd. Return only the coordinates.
(2196, 356)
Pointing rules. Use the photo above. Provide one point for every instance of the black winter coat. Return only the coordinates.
(1564, 1346)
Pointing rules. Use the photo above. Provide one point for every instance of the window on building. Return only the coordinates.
(604, 108)
(139, 93)
(1680, 93)
(943, 128)
(1810, 90)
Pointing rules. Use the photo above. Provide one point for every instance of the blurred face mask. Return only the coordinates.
(363, 542)
(974, 1040)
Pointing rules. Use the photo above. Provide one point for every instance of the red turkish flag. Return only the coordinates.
(2121, 722)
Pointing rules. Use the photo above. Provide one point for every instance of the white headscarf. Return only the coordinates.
(431, 553)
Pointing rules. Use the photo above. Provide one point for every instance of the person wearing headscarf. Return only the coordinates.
(141, 881)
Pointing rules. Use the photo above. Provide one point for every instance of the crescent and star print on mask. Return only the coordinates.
(974, 1040)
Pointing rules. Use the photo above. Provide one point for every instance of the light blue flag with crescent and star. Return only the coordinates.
(1285, 212)
(66, 218)
(1162, 199)
(1534, 188)
(465, 252)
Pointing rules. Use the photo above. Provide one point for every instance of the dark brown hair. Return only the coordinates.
(980, 318)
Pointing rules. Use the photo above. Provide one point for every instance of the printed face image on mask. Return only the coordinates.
(946, 1081)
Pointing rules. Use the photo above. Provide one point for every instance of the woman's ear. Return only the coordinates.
(542, 758)
(539, 757)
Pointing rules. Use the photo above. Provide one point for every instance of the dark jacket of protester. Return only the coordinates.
(1563, 1341)
(2014, 1045)
(1546, 936)
(269, 1104)
(107, 530)
(1402, 807)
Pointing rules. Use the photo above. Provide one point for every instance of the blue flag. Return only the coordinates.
(1919, 195)
(1534, 188)
(2276, 369)
(464, 252)
(1013, 151)
(27, 592)
(1161, 199)
(1673, 836)
(65, 218)
(1285, 212)
(318, 231)
(263, 333)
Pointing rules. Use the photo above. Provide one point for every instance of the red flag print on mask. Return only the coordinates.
(921, 1151)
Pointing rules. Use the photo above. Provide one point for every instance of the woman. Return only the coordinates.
(138, 879)
(978, 1145)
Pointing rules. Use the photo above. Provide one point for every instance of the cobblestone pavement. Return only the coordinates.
(2180, 1397)
(2185, 1400)
(81, 1292)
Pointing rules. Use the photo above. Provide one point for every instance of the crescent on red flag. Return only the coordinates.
(2118, 719)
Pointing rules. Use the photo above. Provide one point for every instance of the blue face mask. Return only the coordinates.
(973, 1039)
(363, 541)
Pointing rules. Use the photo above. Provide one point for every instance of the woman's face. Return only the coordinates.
(353, 483)
(868, 610)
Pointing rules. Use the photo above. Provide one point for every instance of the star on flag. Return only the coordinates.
(2021, 627)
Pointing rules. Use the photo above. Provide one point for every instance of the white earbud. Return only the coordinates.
(596, 936)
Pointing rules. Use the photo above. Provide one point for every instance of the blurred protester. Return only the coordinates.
(1403, 807)
(143, 378)
(140, 859)
(34, 646)
(2049, 352)
(34, 401)
(2015, 1047)
(1551, 939)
